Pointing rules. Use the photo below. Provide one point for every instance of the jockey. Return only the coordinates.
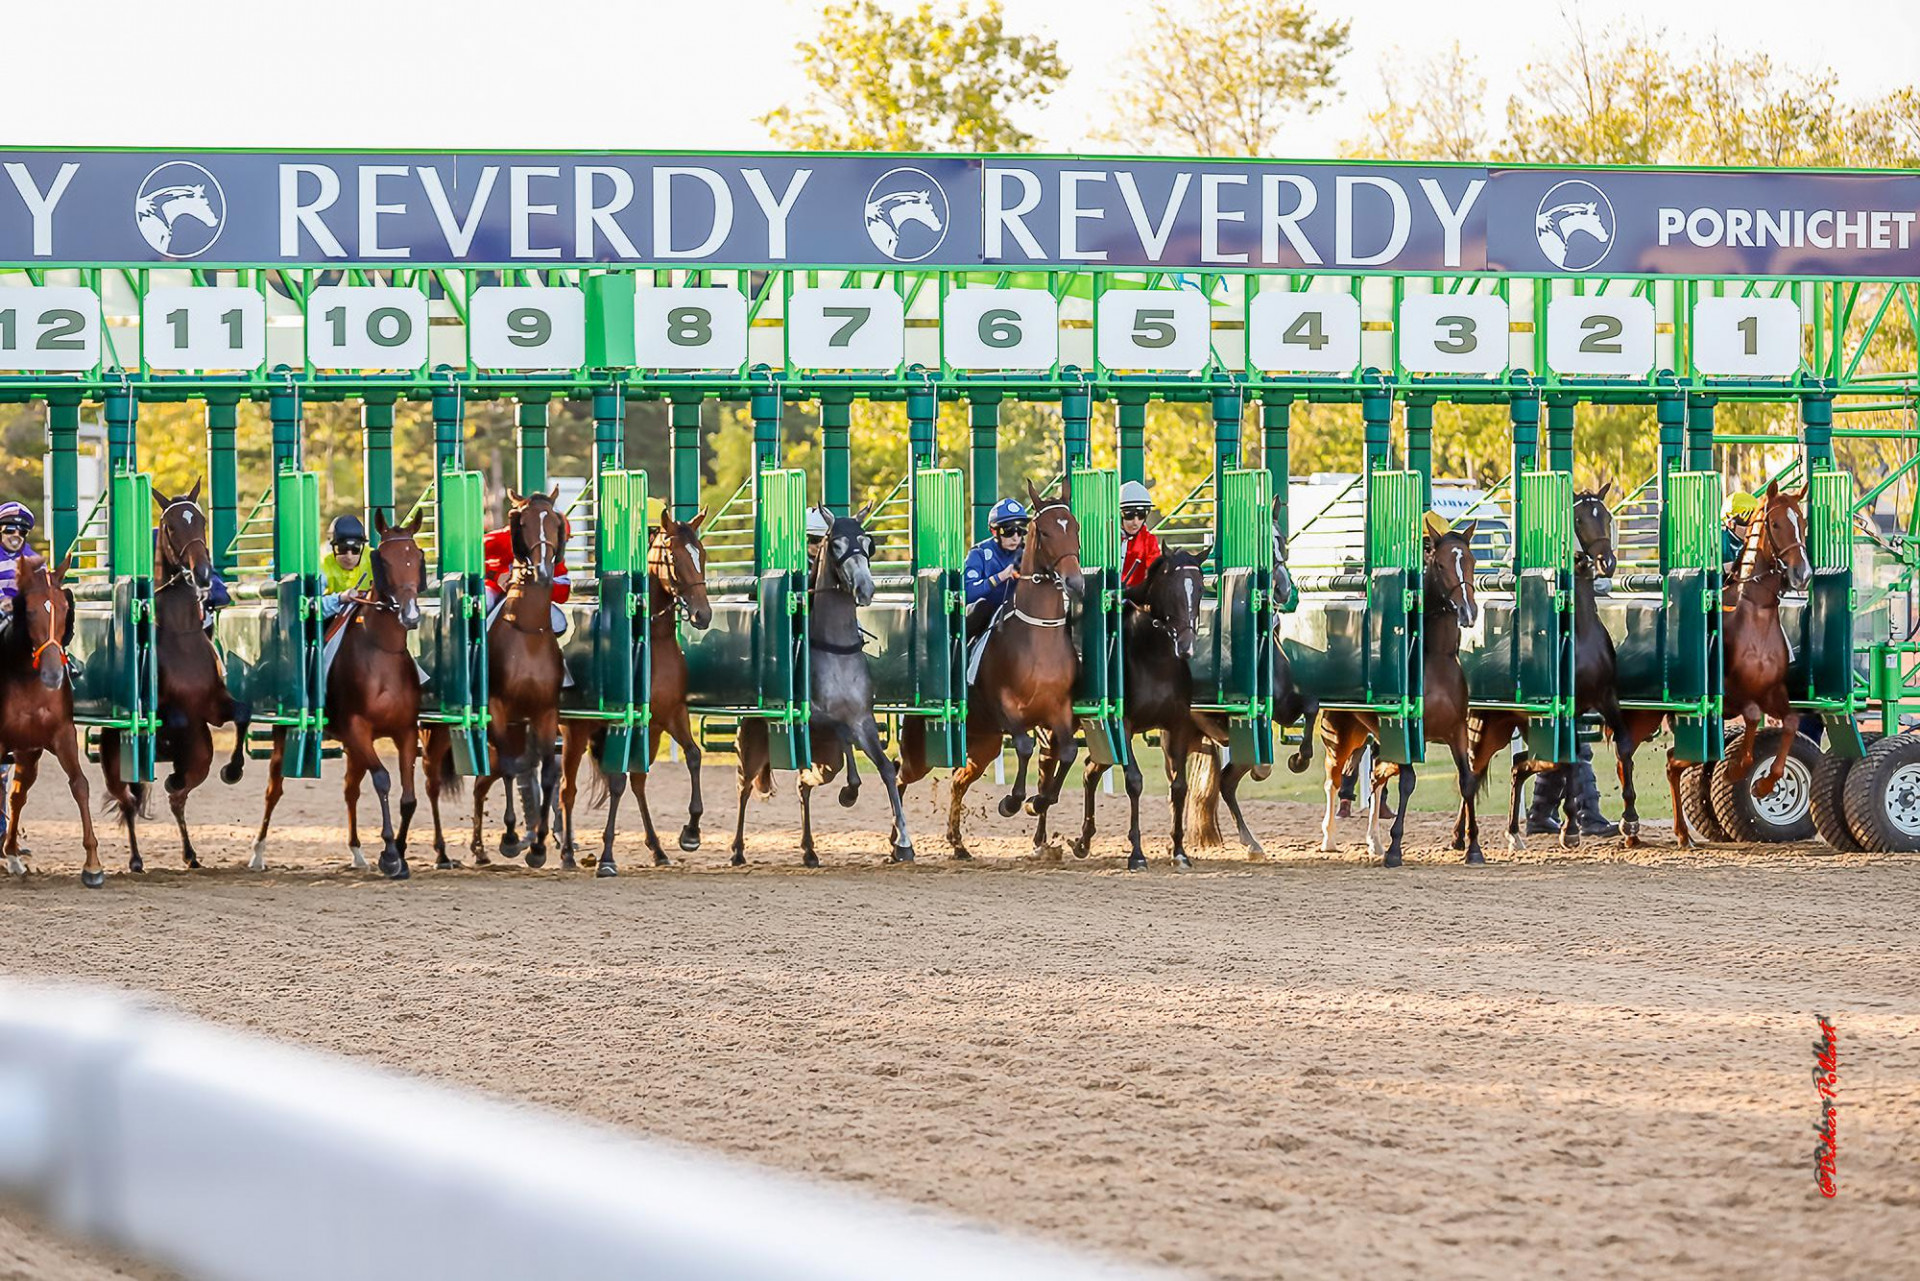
(499, 553)
(1736, 516)
(344, 565)
(1142, 548)
(819, 525)
(16, 522)
(994, 563)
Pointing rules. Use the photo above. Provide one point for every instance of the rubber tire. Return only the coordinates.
(1696, 785)
(1866, 790)
(1733, 799)
(1830, 800)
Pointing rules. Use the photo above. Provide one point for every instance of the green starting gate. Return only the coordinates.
(113, 634)
(272, 634)
(606, 648)
(1667, 626)
(919, 625)
(452, 641)
(1100, 688)
(1824, 645)
(1233, 658)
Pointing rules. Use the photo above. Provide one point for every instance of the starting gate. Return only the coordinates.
(271, 635)
(1233, 658)
(1824, 647)
(1100, 688)
(606, 647)
(920, 663)
(1668, 632)
(452, 640)
(113, 632)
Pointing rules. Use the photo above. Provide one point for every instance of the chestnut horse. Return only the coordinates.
(36, 703)
(1449, 605)
(1026, 675)
(193, 684)
(676, 587)
(373, 692)
(524, 673)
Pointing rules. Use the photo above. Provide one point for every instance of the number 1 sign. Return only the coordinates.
(1746, 337)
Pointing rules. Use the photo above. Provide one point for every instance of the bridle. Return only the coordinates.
(53, 638)
(175, 554)
(1585, 563)
(1048, 574)
(1759, 538)
(865, 546)
(1153, 620)
(382, 593)
(1456, 596)
(544, 548)
(661, 565)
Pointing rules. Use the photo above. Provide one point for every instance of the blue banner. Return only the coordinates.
(232, 208)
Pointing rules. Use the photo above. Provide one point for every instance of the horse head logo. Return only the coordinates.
(906, 214)
(180, 209)
(1574, 225)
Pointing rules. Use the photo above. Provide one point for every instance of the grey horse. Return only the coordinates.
(842, 699)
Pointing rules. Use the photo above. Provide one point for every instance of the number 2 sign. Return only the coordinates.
(1599, 335)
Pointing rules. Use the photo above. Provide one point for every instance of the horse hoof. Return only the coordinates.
(442, 863)
(810, 860)
(93, 880)
(1009, 806)
(397, 870)
(848, 795)
(660, 859)
(1181, 860)
(567, 863)
(1765, 787)
(1136, 862)
(739, 859)
(689, 838)
(231, 772)
(961, 854)
(136, 864)
(1569, 839)
(605, 868)
(1391, 859)
(480, 859)
(1081, 846)
(191, 859)
(1475, 857)
(900, 854)
(359, 861)
(536, 857)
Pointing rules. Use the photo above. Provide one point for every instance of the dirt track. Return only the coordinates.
(1587, 1065)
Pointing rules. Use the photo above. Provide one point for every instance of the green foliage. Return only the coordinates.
(1220, 77)
(923, 82)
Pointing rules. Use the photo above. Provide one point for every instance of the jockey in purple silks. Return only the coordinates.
(16, 522)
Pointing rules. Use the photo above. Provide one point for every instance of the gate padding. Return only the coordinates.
(1668, 645)
(1233, 661)
(114, 633)
(1099, 693)
(452, 641)
(606, 646)
(919, 649)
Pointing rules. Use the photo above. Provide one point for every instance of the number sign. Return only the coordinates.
(1453, 334)
(366, 327)
(52, 327)
(1746, 337)
(510, 327)
(688, 327)
(1154, 329)
(989, 329)
(846, 329)
(1303, 333)
(216, 327)
(1593, 334)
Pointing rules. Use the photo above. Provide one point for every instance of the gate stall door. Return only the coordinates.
(452, 640)
(1233, 663)
(1543, 613)
(1396, 582)
(1100, 689)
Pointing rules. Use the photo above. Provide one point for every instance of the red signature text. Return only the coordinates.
(1826, 1079)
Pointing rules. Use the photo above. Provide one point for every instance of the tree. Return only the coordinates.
(920, 83)
(1435, 111)
(1220, 77)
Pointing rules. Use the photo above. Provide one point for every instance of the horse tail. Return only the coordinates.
(449, 780)
(763, 781)
(142, 807)
(597, 789)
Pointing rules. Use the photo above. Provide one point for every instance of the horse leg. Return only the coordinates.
(1516, 837)
(573, 744)
(1130, 773)
(510, 842)
(1177, 745)
(26, 767)
(276, 788)
(1623, 745)
(753, 748)
(1023, 753)
(407, 747)
(1094, 772)
(439, 747)
(1400, 815)
(190, 769)
(1298, 762)
(241, 714)
(350, 790)
(1469, 789)
(1743, 754)
(850, 790)
(681, 727)
(638, 780)
(807, 781)
(1782, 711)
(1675, 768)
(481, 786)
(125, 795)
(866, 736)
(1336, 771)
(982, 746)
(66, 750)
(538, 791)
(1230, 777)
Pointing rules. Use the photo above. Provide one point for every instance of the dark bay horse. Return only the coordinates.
(193, 684)
(842, 697)
(525, 671)
(36, 703)
(1026, 674)
(373, 692)
(676, 587)
(1450, 604)
(1162, 621)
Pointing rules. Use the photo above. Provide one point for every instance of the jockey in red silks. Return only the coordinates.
(1142, 548)
(499, 553)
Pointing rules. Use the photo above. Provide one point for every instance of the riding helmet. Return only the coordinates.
(1135, 498)
(16, 515)
(346, 531)
(1008, 511)
(819, 522)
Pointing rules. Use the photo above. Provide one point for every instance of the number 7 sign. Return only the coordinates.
(846, 329)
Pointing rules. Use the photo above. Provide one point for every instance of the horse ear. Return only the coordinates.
(862, 514)
(553, 495)
(1466, 531)
(1604, 491)
(1205, 554)
(159, 499)
(699, 519)
(193, 495)
(60, 571)
(413, 526)
(1033, 495)
(380, 526)
(513, 496)
(1773, 490)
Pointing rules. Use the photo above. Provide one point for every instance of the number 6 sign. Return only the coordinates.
(1453, 334)
(846, 329)
(991, 329)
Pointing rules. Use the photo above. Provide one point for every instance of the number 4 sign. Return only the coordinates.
(1303, 333)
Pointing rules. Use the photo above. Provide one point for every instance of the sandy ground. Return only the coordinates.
(1579, 1065)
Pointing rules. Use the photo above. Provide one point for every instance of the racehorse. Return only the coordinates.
(676, 586)
(36, 703)
(1162, 619)
(193, 685)
(373, 692)
(525, 671)
(842, 696)
(1449, 605)
(1026, 674)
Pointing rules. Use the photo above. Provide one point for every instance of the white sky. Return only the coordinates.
(694, 74)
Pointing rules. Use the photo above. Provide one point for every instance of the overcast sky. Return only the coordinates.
(694, 74)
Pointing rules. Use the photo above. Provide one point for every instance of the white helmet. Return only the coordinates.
(1134, 494)
(819, 522)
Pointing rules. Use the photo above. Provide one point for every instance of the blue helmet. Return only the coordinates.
(1008, 511)
(18, 515)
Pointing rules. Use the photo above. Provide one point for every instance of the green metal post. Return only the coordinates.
(923, 410)
(764, 407)
(1560, 432)
(1700, 431)
(123, 416)
(609, 428)
(1523, 418)
(376, 428)
(836, 451)
(449, 430)
(223, 476)
(1816, 432)
(1227, 410)
(1420, 445)
(983, 419)
(283, 411)
(1076, 409)
(1670, 413)
(1276, 418)
(684, 448)
(1130, 421)
(530, 443)
(63, 464)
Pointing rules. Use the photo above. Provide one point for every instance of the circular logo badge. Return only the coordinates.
(906, 214)
(180, 209)
(1574, 225)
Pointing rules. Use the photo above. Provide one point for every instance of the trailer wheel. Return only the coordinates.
(1883, 796)
(1785, 813)
(1697, 803)
(1830, 799)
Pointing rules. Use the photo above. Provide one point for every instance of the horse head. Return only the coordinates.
(1450, 571)
(677, 560)
(180, 539)
(1053, 540)
(539, 532)
(1173, 596)
(1593, 530)
(399, 568)
(1783, 524)
(44, 608)
(848, 562)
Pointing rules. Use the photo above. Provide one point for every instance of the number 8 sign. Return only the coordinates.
(990, 329)
(688, 327)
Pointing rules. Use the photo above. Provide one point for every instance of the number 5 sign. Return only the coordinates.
(1154, 329)
(846, 329)
(991, 329)
(1453, 334)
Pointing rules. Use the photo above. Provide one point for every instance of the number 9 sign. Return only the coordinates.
(1453, 334)
(512, 327)
(990, 329)
(689, 327)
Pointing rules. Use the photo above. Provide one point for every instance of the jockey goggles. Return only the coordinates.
(1016, 527)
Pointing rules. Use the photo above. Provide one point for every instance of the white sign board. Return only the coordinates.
(366, 327)
(1303, 333)
(1154, 329)
(216, 327)
(1746, 337)
(1453, 334)
(511, 327)
(846, 329)
(1598, 335)
(52, 327)
(687, 327)
(993, 329)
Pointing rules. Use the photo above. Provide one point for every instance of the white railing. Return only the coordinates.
(222, 1155)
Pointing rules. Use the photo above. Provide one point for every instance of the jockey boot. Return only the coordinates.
(1586, 798)
(1548, 790)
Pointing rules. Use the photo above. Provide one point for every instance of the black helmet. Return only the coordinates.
(347, 531)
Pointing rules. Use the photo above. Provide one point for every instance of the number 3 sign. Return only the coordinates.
(1453, 334)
